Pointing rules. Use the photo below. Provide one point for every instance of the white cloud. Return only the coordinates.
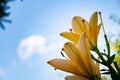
(2, 71)
(33, 44)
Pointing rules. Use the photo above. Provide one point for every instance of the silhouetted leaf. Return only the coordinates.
(110, 61)
(104, 70)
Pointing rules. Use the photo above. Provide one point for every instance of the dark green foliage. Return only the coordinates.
(115, 18)
(111, 59)
(3, 12)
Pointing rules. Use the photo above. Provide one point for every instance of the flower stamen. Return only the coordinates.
(62, 54)
(102, 22)
(70, 30)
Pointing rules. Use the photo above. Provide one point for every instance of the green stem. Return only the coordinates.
(108, 45)
(114, 74)
(99, 54)
(116, 66)
(96, 78)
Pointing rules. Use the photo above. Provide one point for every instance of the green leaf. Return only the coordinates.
(111, 59)
(104, 70)
(96, 59)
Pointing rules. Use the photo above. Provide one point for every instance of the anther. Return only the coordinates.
(84, 23)
(83, 20)
(96, 12)
(102, 22)
(62, 49)
(104, 51)
(70, 30)
(55, 69)
(99, 13)
(62, 54)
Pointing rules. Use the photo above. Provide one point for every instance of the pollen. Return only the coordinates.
(62, 49)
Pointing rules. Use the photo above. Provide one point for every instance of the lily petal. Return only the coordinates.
(94, 28)
(64, 65)
(74, 55)
(83, 47)
(70, 36)
(75, 77)
(96, 34)
(97, 70)
(98, 29)
(78, 25)
(94, 19)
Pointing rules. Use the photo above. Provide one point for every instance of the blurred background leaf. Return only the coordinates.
(4, 12)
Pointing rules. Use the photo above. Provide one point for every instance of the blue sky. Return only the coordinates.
(33, 36)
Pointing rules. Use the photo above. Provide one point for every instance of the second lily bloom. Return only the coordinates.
(80, 25)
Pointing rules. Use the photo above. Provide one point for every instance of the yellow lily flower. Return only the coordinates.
(116, 45)
(75, 77)
(117, 59)
(77, 61)
(80, 25)
(94, 29)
